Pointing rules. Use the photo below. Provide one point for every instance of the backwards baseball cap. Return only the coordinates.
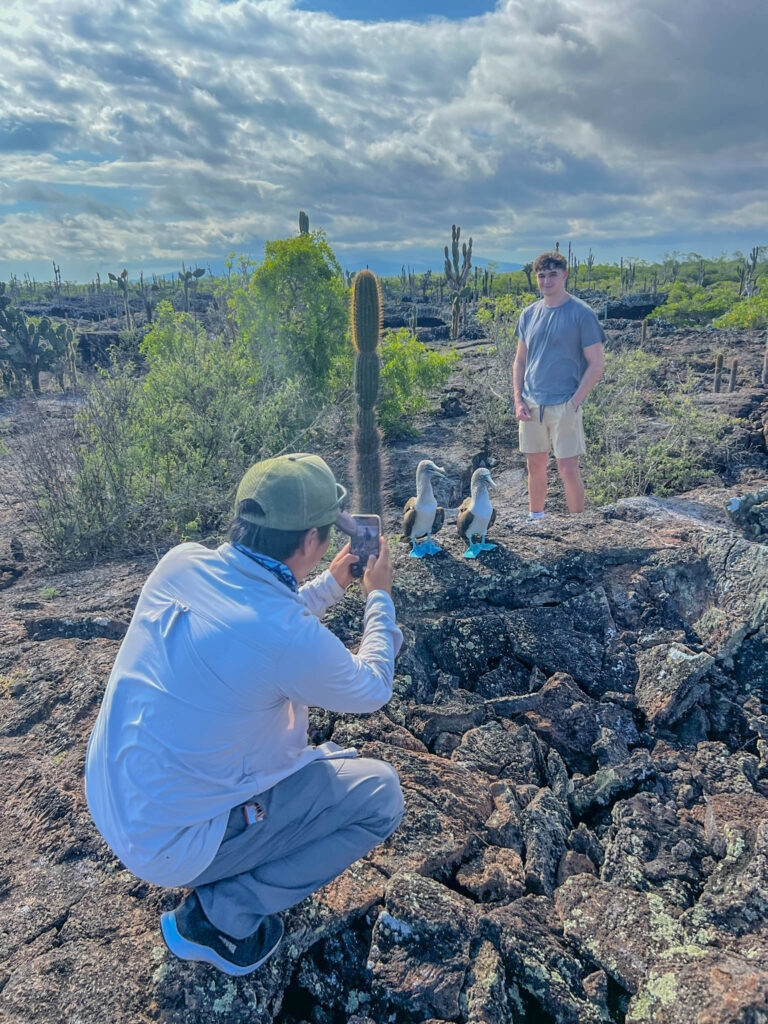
(294, 492)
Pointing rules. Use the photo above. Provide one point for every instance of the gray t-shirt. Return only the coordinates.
(555, 338)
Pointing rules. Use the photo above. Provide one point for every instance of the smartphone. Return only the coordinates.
(365, 542)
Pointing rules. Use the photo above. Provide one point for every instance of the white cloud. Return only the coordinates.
(209, 125)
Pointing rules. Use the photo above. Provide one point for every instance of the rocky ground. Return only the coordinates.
(580, 724)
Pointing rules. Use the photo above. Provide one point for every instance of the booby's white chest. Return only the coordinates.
(425, 509)
(481, 511)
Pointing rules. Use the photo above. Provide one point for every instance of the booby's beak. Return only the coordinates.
(490, 482)
(438, 471)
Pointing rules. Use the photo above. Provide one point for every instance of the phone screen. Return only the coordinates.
(365, 542)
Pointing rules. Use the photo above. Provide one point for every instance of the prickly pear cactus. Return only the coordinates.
(365, 315)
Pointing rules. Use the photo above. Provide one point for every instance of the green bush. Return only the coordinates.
(409, 372)
(689, 305)
(291, 311)
(152, 461)
(642, 438)
(750, 314)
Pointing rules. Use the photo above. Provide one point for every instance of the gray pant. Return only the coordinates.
(317, 822)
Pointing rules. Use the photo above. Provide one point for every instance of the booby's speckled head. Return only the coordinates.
(429, 469)
(482, 478)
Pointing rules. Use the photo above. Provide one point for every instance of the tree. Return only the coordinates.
(292, 311)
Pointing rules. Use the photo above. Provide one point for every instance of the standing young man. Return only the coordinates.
(199, 772)
(559, 360)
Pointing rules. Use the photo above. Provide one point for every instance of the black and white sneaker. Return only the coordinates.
(190, 936)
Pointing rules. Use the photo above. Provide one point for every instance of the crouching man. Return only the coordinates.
(198, 771)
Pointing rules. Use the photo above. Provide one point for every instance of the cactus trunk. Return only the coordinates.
(366, 330)
(368, 462)
(718, 371)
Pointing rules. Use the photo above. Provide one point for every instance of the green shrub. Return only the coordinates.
(750, 314)
(148, 462)
(689, 305)
(643, 438)
(409, 372)
(291, 310)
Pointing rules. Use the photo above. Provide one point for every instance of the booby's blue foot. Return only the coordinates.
(431, 547)
(473, 551)
(418, 550)
(485, 546)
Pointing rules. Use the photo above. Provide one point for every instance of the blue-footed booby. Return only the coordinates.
(476, 514)
(422, 515)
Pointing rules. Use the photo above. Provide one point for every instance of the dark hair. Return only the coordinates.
(264, 540)
(550, 260)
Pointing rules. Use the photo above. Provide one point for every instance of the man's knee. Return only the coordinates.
(569, 468)
(387, 804)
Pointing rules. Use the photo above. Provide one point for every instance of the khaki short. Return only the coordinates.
(561, 429)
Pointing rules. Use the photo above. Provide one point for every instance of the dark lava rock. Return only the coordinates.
(420, 947)
(548, 976)
(545, 823)
(607, 784)
(590, 697)
(512, 753)
(670, 682)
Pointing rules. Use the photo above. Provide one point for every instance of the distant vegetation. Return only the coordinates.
(210, 373)
(161, 437)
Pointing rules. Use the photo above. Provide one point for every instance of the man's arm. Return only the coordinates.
(318, 669)
(322, 672)
(595, 356)
(328, 588)
(518, 376)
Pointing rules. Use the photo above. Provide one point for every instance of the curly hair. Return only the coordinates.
(550, 261)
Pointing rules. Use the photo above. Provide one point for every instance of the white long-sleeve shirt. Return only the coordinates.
(207, 702)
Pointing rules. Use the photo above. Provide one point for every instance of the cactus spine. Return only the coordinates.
(365, 315)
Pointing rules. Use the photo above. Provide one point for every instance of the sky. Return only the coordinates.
(140, 133)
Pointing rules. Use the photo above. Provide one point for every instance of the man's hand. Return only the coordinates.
(340, 567)
(378, 572)
(521, 410)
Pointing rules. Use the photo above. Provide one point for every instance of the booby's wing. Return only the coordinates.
(409, 517)
(439, 519)
(492, 520)
(464, 518)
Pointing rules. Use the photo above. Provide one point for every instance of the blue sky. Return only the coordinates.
(144, 134)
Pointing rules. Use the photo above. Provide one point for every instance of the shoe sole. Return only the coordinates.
(186, 950)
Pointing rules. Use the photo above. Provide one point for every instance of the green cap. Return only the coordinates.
(295, 492)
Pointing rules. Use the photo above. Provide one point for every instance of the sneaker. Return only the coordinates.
(190, 936)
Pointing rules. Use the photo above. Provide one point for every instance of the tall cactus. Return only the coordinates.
(718, 372)
(121, 280)
(303, 223)
(457, 272)
(365, 317)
